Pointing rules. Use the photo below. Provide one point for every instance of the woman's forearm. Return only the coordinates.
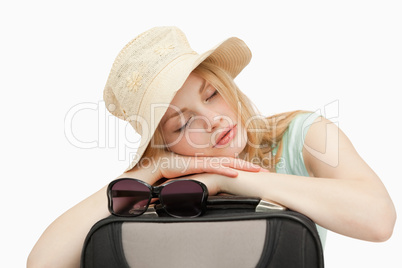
(61, 243)
(355, 208)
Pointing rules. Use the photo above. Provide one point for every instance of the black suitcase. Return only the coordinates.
(234, 232)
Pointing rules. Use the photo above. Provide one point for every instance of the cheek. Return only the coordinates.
(189, 143)
(193, 139)
(173, 140)
(182, 147)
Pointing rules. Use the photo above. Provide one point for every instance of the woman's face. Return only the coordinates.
(199, 122)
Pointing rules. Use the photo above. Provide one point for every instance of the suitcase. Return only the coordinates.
(234, 232)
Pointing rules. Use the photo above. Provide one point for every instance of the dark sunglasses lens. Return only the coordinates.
(129, 198)
(182, 198)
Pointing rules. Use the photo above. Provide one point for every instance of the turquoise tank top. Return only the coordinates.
(291, 161)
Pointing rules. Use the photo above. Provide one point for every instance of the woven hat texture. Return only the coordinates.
(152, 67)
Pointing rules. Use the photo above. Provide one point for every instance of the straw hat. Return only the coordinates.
(151, 68)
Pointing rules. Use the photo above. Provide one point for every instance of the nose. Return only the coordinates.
(208, 120)
(213, 121)
(217, 122)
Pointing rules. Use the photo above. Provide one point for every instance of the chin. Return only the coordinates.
(229, 152)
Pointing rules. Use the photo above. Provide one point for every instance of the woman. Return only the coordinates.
(194, 121)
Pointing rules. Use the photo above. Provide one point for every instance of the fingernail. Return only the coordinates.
(264, 170)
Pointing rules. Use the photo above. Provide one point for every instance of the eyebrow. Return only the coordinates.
(176, 113)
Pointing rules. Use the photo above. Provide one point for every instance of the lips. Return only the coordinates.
(226, 136)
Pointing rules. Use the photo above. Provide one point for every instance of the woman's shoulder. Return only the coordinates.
(291, 160)
(302, 122)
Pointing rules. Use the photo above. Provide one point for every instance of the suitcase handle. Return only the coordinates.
(233, 201)
(230, 202)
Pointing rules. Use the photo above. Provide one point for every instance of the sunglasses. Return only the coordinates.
(179, 198)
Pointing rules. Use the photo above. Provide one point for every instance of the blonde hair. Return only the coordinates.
(263, 133)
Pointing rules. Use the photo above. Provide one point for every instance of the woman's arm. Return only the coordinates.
(61, 243)
(343, 195)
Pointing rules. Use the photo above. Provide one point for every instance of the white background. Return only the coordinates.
(343, 55)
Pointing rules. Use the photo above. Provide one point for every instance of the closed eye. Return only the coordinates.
(213, 95)
(184, 126)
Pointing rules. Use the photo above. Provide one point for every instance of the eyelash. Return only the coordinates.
(185, 125)
(213, 95)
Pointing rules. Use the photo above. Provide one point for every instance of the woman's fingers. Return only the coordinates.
(179, 165)
(240, 164)
(222, 170)
(210, 165)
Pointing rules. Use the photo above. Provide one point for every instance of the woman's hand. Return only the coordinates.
(215, 182)
(212, 181)
(170, 165)
(179, 165)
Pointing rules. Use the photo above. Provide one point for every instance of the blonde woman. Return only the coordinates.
(195, 122)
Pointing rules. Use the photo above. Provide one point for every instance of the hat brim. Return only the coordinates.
(232, 55)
